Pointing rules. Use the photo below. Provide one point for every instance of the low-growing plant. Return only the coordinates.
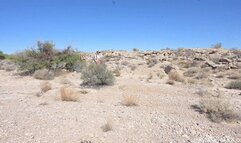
(133, 67)
(45, 56)
(234, 85)
(68, 94)
(130, 100)
(45, 86)
(218, 110)
(174, 75)
(43, 74)
(97, 75)
(171, 82)
(2, 55)
(117, 72)
(191, 72)
(108, 126)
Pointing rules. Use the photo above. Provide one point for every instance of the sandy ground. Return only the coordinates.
(163, 114)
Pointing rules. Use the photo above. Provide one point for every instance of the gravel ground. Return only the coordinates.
(163, 114)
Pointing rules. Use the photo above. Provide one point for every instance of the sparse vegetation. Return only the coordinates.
(174, 75)
(96, 75)
(171, 82)
(133, 67)
(2, 55)
(191, 72)
(130, 100)
(43, 74)
(218, 110)
(68, 94)
(117, 72)
(45, 56)
(217, 46)
(234, 85)
(45, 86)
(151, 62)
(150, 76)
(108, 126)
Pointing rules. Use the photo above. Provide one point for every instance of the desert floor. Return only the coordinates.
(164, 112)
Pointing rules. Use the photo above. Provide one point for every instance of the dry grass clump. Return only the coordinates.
(68, 94)
(130, 100)
(174, 75)
(45, 86)
(108, 126)
(218, 110)
(234, 85)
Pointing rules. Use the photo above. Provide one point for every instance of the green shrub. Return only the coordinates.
(2, 55)
(45, 56)
(234, 85)
(95, 75)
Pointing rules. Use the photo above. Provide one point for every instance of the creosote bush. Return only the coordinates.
(45, 56)
(97, 75)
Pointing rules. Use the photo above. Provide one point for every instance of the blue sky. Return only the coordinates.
(91, 25)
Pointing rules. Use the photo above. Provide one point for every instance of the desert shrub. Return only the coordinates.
(133, 67)
(2, 55)
(135, 49)
(97, 74)
(68, 94)
(44, 74)
(234, 85)
(217, 46)
(151, 62)
(201, 75)
(79, 66)
(70, 60)
(45, 86)
(117, 72)
(191, 72)
(7, 65)
(130, 100)
(124, 63)
(174, 75)
(217, 110)
(45, 56)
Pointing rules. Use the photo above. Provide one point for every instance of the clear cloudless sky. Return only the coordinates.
(91, 25)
